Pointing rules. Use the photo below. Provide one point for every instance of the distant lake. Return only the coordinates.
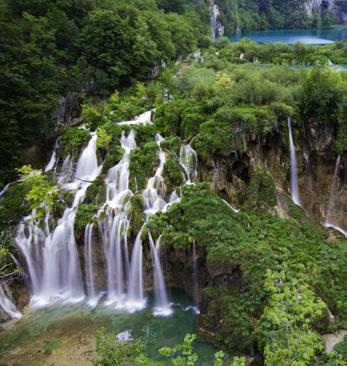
(306, 36)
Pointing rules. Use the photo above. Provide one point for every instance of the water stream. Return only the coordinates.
(293, 167)
(6, 305)
(333, 196)
(52, 258)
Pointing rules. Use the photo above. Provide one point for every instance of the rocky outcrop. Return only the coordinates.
(336, 7)
(217, 28)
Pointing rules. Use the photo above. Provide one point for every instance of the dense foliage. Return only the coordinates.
(56, 53)
(271, 291)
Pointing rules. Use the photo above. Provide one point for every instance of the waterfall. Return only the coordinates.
(7, 306)
(52, 257)
(154, 201)
(136, 299)
(189, 162)
(53, 158)
(115, 226)
(162, 305)
(293, 167)
(93, 296)
(154, 194)
(332, 200)
(144, 118)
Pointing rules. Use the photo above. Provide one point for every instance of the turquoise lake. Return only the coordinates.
(306, 36)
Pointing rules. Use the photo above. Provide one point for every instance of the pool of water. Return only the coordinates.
(306, 36)
(70, 332)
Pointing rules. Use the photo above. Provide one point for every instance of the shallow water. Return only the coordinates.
(306, 36)
(70, 331)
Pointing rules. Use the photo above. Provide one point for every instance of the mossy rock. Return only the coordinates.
(136, 212)
(113, 157)
(72, 141)
(171, 144)
(142, 162)
(96, 192)
(261, 192)
(85, 215)
(172, 174)
(12, 205)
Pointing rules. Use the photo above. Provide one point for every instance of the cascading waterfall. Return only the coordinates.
(332, 200)
(154, 201)
(53, 159)
(93, 295)
(189, 163)
(293, 167)
(114, 228)
(136, 295)
(52, 257)
(7, 306)
(162, 305)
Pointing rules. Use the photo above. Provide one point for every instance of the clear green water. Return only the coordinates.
(54, 324)
(306, 36)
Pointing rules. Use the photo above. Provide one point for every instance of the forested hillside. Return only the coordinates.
(158, 182)
(55, 54)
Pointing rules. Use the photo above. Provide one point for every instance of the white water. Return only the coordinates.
(8, 185)
(332, 200)
(53, 158)
(162, 305)
(293, 167)
(189, 163)
(144, 118)
(155, 192)
(154, 201)
(115, 226)
(93, 295)
(7, 305)
(136, 295)
(52, 257)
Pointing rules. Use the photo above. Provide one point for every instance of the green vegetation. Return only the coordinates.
(243, 305)
(85, 215)
(77, 49)
(111, 353)
(261, 192)
(41, 192)
(251, 15)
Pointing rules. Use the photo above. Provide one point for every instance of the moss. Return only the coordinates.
(240, 248)
(96, 191)
(168, 117)
(171, 144)
(141, 165)
(84, 215)
(296, 212)
(261, 191)
(12, 205)
(341, 348)
(72, 140)
(113, 156)
(144, 134)
(136, 212)
(172, 174)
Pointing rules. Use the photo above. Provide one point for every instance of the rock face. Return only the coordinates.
(217, 28)
(337, 7)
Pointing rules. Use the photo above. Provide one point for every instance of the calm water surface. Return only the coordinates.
(306, 36)
(27, 340)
